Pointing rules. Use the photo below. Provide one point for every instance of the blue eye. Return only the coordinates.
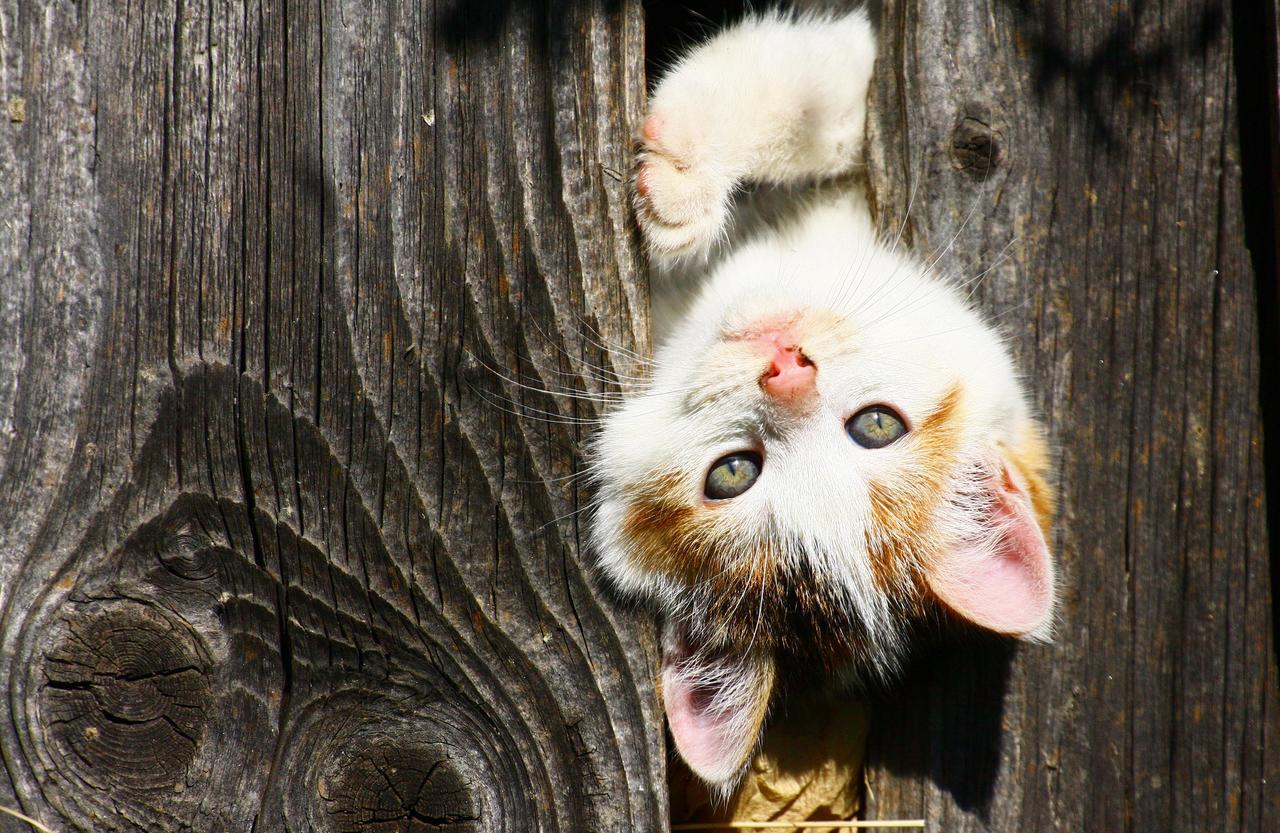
(732, 475)
(875, 427)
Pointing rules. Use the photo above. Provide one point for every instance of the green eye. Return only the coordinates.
(875, 427)
(732, 475)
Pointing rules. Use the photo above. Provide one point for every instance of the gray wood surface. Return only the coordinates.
(280, 549)
(1087, 154)
(276, 553)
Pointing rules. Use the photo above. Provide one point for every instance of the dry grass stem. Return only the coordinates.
(801, 825)
(22, 817)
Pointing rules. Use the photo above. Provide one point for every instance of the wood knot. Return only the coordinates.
(125, 695)
(977, 148)
(405, 763)
(397, 787)
(185, 551)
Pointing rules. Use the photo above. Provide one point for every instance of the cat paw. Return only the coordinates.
(681, 201)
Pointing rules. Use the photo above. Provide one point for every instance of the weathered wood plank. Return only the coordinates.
(275, 553)
(1088, 155)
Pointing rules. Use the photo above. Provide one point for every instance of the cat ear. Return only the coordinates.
(1003, 578)
(716, 702)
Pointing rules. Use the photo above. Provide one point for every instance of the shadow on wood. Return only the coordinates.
(1111, 243)
(943, 721)
(467, 21)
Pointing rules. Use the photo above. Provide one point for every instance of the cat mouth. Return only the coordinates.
(806, 330)
(770, 327)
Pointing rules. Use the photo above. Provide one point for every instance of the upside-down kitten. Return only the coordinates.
(834, 447)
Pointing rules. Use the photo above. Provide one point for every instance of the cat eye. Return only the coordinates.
(732, 475)
(875, 427)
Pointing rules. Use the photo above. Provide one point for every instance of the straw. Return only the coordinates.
(800, 825)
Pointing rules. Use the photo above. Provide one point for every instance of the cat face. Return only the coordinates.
(818, 463)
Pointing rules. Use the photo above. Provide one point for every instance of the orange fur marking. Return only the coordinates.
(679, 539)
(1031, 458)
(900, 535)
(747, 591)
(902, 514)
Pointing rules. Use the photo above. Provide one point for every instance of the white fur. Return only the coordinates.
(911, 338)
(773, 99)
(781, 100)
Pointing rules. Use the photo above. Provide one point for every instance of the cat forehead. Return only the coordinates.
(887, 332)
(885, 301)
(909, 347)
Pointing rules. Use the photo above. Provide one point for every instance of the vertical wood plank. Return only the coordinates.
(286, 543)
(1088, 157)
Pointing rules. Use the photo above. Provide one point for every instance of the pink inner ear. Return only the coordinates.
(715, 708)
(1004, 583)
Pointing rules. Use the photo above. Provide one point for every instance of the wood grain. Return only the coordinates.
(1087, 155)
(284, 543)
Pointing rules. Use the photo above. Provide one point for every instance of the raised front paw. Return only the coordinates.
(681, 197)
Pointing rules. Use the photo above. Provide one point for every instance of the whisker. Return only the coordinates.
(566, 393)
(608, 376)
(897, 240)
(977, 279)
(542, 481)
(538, 414)
(579, 360)
(902, 228)
(991, 319)
(930, 264)
(603, 343)
(591, 504)
(939, 285)
(911, 201)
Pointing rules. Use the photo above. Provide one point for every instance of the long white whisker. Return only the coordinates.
(591, 504)
(537, 414)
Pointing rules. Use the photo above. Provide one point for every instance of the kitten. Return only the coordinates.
(833, 447)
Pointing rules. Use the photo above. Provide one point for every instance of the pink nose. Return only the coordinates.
(790, 374)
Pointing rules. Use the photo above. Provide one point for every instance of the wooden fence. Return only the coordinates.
(284, 546)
